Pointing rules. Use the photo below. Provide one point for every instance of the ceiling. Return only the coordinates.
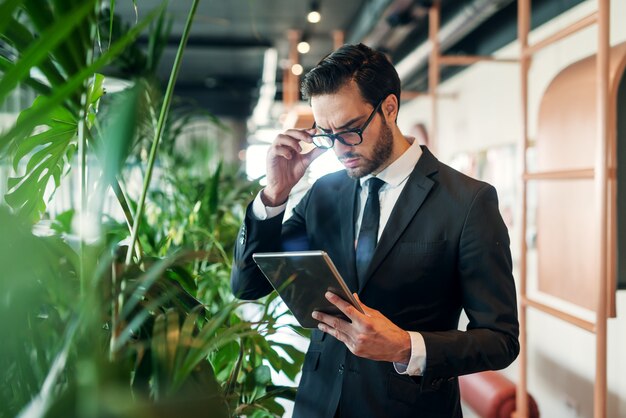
(223, 62)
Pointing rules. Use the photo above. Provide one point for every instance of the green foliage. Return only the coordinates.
(203, 212)
(49, 154)
(38, 291)
(87, 335)
(59, 45)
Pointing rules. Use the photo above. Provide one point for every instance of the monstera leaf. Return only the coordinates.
(56, 38)
(50, 153)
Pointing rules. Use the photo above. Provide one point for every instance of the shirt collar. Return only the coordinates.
(399, 170)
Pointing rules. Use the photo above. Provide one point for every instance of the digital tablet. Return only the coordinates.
(301, 278)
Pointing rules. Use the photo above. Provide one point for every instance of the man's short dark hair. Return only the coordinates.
(371, 70)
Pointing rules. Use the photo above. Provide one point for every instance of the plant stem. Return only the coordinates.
(82, 157)
(116, 186)
(161, 123)
(82, 152)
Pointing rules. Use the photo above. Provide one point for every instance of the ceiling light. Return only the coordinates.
(314, 15)
(297, 69)
(303, 47)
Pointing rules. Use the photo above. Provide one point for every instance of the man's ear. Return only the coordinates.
(390, 108)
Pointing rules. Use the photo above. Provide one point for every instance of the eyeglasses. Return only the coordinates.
(349, 137)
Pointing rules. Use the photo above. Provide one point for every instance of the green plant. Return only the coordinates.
(204, 214)
(94, 330)
(57, 39)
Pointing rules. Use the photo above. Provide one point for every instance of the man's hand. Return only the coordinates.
(286, 165)
(370, 335)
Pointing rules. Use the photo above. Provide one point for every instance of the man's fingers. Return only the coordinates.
(288, 141)
(331, 321)
(313, 154)
(284, 152)
(347, 309)
(368, 311)
(294, 141)
(300, 134)
(334, 332)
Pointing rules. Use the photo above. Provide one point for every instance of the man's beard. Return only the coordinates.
(381, 153)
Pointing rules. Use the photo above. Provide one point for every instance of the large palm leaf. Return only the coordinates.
(56, 40)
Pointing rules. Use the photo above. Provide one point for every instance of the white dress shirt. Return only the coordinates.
(395, 176)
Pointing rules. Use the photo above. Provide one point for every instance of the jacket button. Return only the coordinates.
(341, 369)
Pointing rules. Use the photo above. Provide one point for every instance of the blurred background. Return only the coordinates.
(134, 134)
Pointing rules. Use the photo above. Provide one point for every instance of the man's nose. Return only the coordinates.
(341, 148)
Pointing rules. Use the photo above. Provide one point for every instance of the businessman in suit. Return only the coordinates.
(415, 240)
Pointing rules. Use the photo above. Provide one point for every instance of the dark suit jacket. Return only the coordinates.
(444, 248)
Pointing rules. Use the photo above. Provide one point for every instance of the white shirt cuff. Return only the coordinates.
(262, 212)
(417, 362)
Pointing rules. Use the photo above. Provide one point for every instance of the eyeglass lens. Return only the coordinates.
(326, 141)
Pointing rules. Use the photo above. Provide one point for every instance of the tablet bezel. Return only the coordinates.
(330, 280)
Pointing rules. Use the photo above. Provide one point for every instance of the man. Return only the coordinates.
(441, 247)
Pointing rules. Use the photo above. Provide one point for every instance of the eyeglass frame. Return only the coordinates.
(358, 131)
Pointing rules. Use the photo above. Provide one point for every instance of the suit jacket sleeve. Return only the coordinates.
(488, 296)
(270, 235)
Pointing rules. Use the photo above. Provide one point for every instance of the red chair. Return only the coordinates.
(491, 395)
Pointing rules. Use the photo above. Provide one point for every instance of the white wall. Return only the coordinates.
(482, 112)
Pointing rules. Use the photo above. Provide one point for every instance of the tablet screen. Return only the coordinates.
(301, 279)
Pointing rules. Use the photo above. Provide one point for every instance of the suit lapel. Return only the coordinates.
(413, 195)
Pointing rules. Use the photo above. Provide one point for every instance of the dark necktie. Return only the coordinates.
(368, 234)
